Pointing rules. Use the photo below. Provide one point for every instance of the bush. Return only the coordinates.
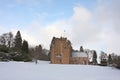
(4, 56)
(3, 48)
(27, 58)
(20, 57)
(14, 56)
(17, 57)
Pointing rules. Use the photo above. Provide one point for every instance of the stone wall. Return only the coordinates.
(60, 51)
(79, 60)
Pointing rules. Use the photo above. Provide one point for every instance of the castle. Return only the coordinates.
(61, 52)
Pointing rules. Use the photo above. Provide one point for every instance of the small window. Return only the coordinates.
(58, 55)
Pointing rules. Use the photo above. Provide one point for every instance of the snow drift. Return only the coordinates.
(45, 71)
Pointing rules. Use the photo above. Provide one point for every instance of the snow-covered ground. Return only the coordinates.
(45, 71)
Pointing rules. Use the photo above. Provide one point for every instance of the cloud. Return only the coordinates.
(44, 34)
(98, 29)
(26, 36)
(78, 28)
(107, 17)
(81, 14)
(82, 28)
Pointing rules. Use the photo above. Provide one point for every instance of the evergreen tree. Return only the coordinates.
(3, 48)
(25, 47)
(103, 58)
(81, 49)
(25, 51)
(18, 41)
(94, 57)
(110, 59)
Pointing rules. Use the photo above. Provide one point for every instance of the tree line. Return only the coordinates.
(15, 49)
(105, 59)
(112, 59)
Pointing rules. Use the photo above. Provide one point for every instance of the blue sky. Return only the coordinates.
(22, 12)
(91, 23)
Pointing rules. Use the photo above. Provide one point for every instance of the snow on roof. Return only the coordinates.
(79, 54)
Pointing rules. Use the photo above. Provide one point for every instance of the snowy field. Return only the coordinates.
(45, 71)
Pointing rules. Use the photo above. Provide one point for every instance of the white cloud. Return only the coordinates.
(78, 29)
(107, 16)
(81, 14)
(44, 35)
(26, 36)
(83, 31)
(97, 30)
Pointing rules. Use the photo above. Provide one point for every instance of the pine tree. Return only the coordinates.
(109, 59)
(94, 57)
(25, 51)
(18, 41)
(25, 47)
(81, 49)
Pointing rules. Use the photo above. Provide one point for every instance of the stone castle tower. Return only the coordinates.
(60, 51)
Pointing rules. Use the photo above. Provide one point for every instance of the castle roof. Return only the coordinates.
(79, 54)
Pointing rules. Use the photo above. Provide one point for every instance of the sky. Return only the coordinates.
(94, 24)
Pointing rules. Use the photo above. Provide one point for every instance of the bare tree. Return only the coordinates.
(10, 40)
(6, 39)
(2, 40)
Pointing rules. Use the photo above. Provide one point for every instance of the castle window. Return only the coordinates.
(58, 55)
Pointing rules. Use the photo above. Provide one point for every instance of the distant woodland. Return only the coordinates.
(14, 48)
